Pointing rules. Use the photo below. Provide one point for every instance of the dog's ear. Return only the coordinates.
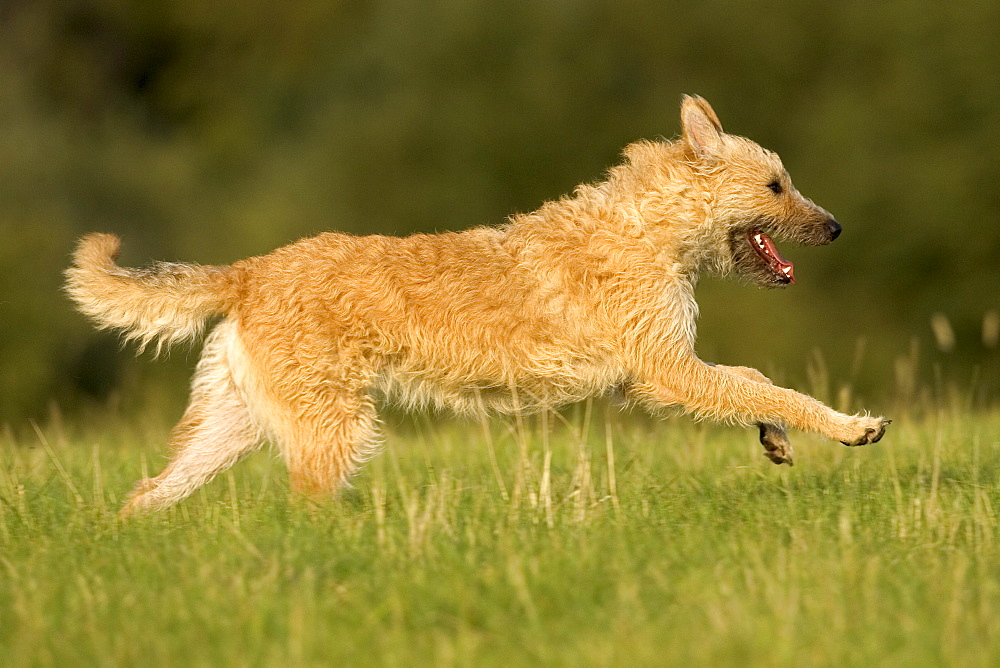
(701, 127)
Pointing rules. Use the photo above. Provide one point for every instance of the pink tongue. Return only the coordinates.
(781, 264)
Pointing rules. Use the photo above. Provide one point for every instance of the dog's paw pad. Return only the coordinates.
(871, 435)
(780, 457)
(776, 444)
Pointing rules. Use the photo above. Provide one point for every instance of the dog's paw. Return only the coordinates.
(777, 447)
(866, 430)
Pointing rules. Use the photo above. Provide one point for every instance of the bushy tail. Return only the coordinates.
(165, 303)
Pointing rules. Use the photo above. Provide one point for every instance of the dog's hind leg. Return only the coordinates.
(320, 412)
(330, 434)
(215, 432)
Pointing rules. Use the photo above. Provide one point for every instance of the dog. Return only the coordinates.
(591, 292)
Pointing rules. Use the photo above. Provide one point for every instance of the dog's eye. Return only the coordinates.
(775, 187)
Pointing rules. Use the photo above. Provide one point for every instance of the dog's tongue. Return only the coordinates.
(779, 263)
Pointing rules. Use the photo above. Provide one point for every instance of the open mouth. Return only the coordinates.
(783, 270)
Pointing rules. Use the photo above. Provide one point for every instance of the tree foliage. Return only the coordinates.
(211, 131)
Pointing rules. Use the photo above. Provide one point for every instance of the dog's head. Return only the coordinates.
(749, 199)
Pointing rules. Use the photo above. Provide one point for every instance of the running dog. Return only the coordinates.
(591, 292)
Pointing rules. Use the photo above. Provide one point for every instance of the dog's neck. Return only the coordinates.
(648, 212)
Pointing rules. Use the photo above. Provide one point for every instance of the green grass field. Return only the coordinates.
(643, 543)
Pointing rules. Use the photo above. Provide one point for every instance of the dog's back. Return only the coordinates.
(465, 320)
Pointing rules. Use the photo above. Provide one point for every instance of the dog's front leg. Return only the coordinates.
(773, 436)
(721, 393)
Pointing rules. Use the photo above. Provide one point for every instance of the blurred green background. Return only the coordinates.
(209, 131)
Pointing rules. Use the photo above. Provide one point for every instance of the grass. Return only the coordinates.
(643, 543)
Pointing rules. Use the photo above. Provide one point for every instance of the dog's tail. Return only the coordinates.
(165, 302)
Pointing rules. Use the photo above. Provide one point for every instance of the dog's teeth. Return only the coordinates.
(756, 238)
(786, 270)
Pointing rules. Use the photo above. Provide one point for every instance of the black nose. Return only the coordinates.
(834, 228)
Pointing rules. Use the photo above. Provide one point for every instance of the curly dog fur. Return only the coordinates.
(589, 292)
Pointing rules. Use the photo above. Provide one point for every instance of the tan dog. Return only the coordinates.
(588, 293)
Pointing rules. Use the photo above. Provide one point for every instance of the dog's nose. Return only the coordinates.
(834, 228)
